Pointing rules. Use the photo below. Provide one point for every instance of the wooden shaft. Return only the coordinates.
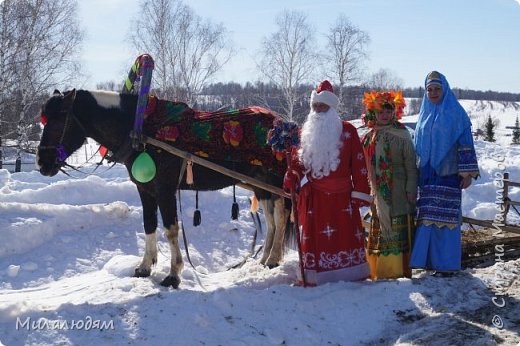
(216, 167)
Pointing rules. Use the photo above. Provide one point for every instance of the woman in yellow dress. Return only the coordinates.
(391, 163)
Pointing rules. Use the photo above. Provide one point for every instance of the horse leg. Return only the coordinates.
(150, 226)
(275, 232)
(280, 222)
(168, 208)
(268, 207)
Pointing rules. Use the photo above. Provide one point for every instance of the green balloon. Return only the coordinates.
(143, 168)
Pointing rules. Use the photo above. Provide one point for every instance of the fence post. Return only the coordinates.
(505, 197)
(18, 164)
(1, 154)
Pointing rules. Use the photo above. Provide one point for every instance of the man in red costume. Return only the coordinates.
(330, 173)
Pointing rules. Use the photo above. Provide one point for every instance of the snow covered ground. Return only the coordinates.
(68, 248)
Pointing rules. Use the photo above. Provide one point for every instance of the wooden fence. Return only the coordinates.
(507, 203)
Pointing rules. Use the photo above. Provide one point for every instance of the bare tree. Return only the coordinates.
(188, 50)
(40, 40)
(109, 85)
(8, 46)
(345, 54)
(288, 56)
(385, 79)
(155, 34)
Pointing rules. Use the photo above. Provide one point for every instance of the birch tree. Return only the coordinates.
(155, 34)
(188, 50)
(288, 57)
(8, 47)
(385, 79)
(40, 42)
(345, 55)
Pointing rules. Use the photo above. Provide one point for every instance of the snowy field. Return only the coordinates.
(69, 245)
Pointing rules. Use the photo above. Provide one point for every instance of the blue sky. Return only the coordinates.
(475, 43)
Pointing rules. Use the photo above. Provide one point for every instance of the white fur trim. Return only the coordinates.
(325, 97)
(361, 195)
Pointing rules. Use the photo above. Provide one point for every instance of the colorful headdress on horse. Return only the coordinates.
(282, 137)
(374, 102)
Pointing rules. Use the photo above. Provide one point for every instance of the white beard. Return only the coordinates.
(320, 143)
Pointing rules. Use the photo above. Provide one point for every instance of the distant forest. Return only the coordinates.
(234, 95)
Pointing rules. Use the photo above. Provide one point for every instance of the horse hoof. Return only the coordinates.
(271, 266)
(171, 280)
(142, 273)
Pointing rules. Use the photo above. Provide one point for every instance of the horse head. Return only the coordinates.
(62, 132)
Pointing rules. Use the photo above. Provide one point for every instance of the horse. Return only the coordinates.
(71, 117)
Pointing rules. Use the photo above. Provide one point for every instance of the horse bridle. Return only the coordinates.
(61, 153)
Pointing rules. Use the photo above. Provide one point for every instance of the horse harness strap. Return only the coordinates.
(61, 153)
(184, 238)
(257, 223)
(181, 172)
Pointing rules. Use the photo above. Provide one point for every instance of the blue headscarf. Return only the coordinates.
(439, 126)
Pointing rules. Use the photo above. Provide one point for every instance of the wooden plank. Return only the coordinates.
(489, 224)
(484, 223)
(505, 197)
(511, 229)
(513, 183)
(491, 242)
(208, 164)
(472, 260)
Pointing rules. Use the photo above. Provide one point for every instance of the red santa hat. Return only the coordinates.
(325, 94)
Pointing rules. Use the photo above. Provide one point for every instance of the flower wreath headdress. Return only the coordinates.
(374, 102)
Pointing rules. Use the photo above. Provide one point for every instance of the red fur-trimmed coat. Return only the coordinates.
(328, 213)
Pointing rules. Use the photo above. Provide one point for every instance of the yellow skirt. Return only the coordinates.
(388, 259)
(389, 267)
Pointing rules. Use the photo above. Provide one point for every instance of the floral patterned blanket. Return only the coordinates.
(237, 135)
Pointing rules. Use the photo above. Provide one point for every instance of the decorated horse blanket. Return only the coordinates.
(237, 135)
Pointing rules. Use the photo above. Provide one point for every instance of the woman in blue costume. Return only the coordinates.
(447, 163)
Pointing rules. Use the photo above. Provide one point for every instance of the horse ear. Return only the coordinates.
(70, 95)
(56, 92)
(69, 98)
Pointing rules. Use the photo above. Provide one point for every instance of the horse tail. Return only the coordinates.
(290, 241)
